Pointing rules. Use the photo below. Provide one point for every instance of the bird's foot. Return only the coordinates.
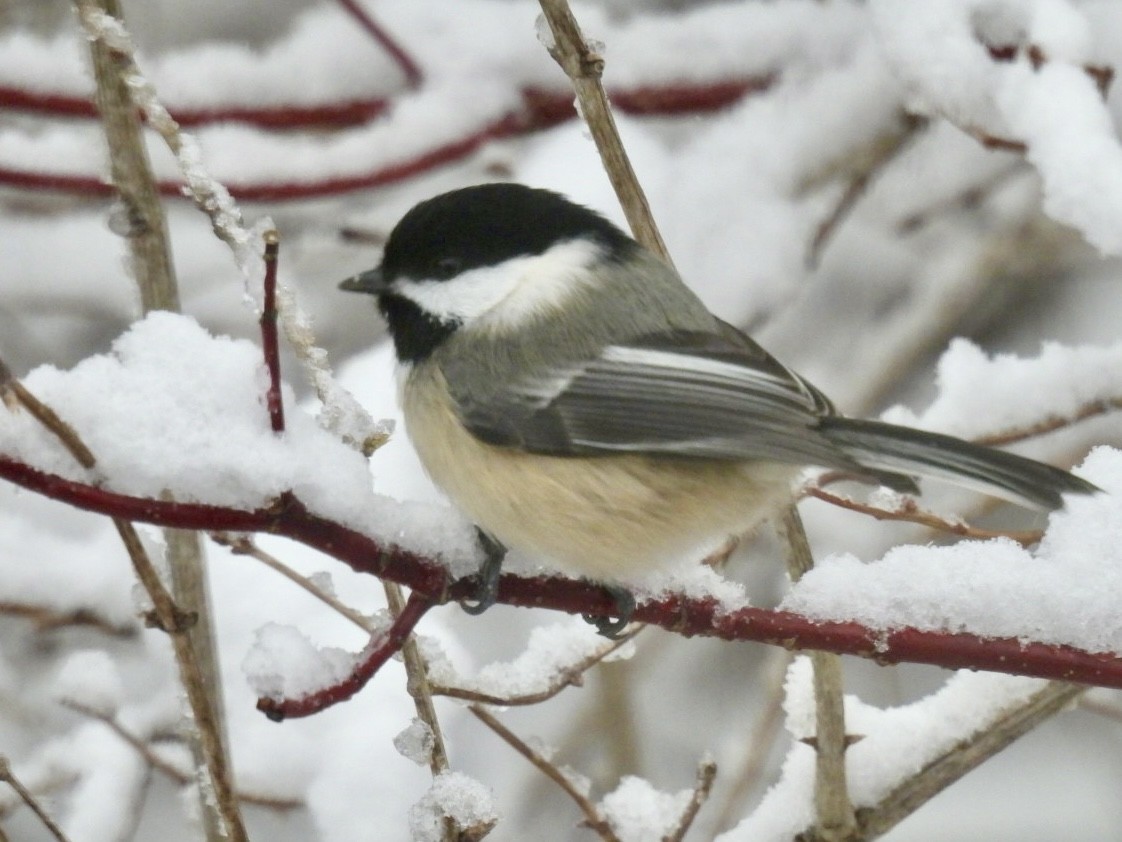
(612, 626)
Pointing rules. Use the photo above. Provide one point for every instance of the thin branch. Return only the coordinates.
(967, 199)
(678, 613)
(584, 68)
(417, 671)
(592, 816)
(269, 340)
(539, 110)
(46, 618)
(242, 545)
(706, 774)
(882, 152)
(833, 810)
(910, 512)
(8, 777)
(145, 225)
(964, 757)
(380, 650)
(166, 767)
(412, 71)
(291, 116)
(1101, 708)
(1049, 425)
(570, 676)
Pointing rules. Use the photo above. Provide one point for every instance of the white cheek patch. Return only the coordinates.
(510, 293)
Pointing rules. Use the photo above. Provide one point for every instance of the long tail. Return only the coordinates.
(887, 447)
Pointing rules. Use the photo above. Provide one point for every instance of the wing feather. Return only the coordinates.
(682, 393)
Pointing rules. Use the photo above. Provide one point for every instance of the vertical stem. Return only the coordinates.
(417, 672)
(584, 68)
(144, 221)
(145, 229)
(835, 817)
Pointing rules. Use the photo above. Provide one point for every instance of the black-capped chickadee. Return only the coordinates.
(568, 391)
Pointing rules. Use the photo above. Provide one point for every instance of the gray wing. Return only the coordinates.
(681, 393)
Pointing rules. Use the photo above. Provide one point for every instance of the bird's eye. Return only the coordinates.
(447, 267)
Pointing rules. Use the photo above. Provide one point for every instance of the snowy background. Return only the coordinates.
(993, 211)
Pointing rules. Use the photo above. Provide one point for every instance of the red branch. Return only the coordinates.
(269, 341)
(380, 650)
(409, 67)
(541, 109)
(687, 616)
(316, 116)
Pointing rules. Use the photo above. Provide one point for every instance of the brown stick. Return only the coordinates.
(8, 777)
(584, 67)
(592, 816)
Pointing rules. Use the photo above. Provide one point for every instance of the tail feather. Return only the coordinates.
(887, 447)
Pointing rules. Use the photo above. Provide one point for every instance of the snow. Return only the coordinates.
(638, 812)
(895, 742)
(550, 652)
(415, 742)
(187, 417)
(92, 677)
(981, 393)
(1059, 112)
(1064, 592)
(456, 796)
(284, 664)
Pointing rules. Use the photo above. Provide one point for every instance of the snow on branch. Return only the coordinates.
(229, 472)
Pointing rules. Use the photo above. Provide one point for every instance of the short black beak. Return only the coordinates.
(371, 282)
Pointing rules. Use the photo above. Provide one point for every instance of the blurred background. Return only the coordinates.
(805, 192)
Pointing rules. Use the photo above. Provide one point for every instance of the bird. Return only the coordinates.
(578, 402)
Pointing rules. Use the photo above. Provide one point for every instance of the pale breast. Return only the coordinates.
(606, 517)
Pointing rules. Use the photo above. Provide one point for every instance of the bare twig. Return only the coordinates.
(834, 812)
(964, 757)
(166, 767)
(243, 545)
(412, 71)
(1101, 708)
(8, 777)
(46, 618)
(910, 512)
(142, 220)
(571, 676)
(584, 68)
(417, 671)
(269, 344)
(1049, 425)
(967, 199)
(592, 816)
(706, 774)
(882, 152)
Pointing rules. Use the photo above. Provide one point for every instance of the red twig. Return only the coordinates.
(380, 650)
(541, 109)
(409, 67)
(269, 340)
(317, 115)
(687, 616)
